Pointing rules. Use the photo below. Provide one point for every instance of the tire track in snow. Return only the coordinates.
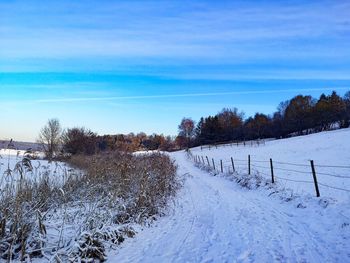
(194, 219)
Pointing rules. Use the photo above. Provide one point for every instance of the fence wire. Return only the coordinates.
(334, 187)
(243, 166)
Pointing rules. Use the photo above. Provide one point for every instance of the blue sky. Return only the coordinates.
(131, 66)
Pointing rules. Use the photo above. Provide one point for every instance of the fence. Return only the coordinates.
(235, 143)
(335, 177)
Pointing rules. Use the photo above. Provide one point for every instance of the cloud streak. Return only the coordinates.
(238, 30)
(184, 95)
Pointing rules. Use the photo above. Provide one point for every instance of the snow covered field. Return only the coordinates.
(291, 160)
(58, 172)
(215, 220)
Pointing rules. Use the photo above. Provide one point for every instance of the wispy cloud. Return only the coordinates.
(238, 30)
(209, 94)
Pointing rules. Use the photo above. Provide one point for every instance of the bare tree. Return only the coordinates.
(186, 129)
(50, 137)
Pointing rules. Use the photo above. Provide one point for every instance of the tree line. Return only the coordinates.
(58, 142)
(298, 116)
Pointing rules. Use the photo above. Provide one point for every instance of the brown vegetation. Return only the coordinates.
(113, 191)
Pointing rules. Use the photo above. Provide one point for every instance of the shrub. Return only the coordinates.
(43, 210)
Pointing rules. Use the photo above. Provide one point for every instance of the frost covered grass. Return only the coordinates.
(257, 181)
(145, 182)
(77, 214)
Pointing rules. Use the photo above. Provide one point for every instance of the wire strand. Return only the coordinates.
(298, 181)
(293, 164)
(291, 170)
(334, 187)
(258, 161)
(258, 166)
(332, 166)
(334, 175)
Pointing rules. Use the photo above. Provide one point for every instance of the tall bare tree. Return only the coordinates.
(186, 129)
(50, 137)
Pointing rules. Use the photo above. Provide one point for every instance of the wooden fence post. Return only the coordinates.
(203, 160)
(233, 165)
(222, 169)
(272, 174)
(249, 164)
(207, 160)
(315, 178)
(213, 163)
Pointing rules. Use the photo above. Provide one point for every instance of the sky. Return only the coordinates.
(132, 66)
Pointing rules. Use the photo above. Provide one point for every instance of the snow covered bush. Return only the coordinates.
(91, 206)
(144, 181)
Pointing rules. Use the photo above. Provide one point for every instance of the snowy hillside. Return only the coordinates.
(291, 157)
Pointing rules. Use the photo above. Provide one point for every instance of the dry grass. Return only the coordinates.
(42, 218)
(145, 181)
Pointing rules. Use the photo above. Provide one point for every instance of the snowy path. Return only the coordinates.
(214, 220)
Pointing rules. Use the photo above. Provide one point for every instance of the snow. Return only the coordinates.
(325, 149)
(147, 152)
(58, 172)
(213, 219)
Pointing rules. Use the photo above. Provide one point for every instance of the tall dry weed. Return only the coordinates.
(94, 203)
